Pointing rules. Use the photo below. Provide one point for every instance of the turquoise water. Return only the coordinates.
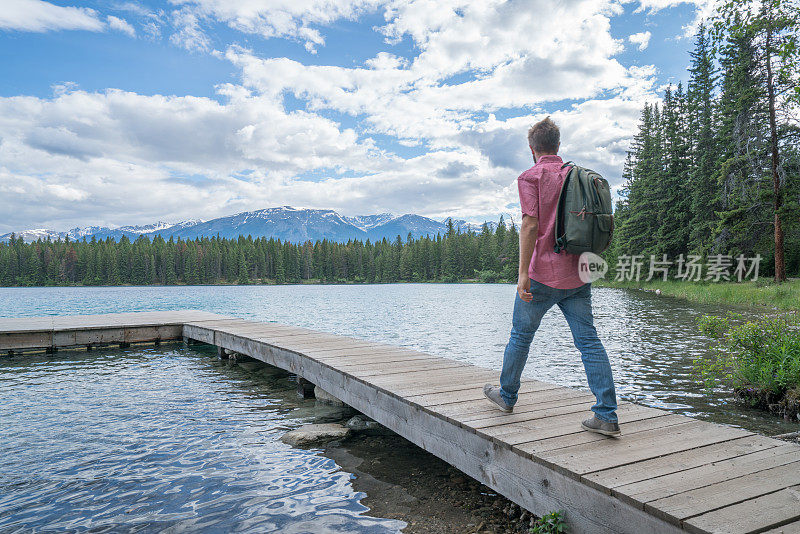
(173, 439)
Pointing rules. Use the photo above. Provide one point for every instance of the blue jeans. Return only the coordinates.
(576, 305)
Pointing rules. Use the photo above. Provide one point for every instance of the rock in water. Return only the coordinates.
(311, 434)
(371, 428)
(323, 396)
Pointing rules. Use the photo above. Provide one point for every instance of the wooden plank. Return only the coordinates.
(529, 422)
(427, 367)
(492, 415)
(568, 423)
(346, 353)
(12, 325)
(152, 333)
(25, 340)
(320, 344)
(538, 489)
(438, 399)
(714, 496)
(518, 420)
(297, 338)
(754, 515)
(119, 320)
(218, 325)
(629, 428)
(681, 482)
(199, 333)
(89, 337)
(679, 461)
(422, 388)
(586, 458)
(475, 394)
(791, 528)
(427, 382)
(213, 324)
(397, 358)
(483, 408)
(461, 377)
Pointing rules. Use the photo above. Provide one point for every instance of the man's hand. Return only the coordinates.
(528, 233)
(523, 288)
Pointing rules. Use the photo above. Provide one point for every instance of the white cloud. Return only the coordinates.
(294, 19)
(118, 24)
(642, 39)
(704, 9)
(117, 157)
(189, 34)
(487, 45)
(40, 16)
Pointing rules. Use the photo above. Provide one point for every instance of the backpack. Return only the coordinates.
(584, 218)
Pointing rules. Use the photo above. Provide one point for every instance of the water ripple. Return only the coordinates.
(161, 441)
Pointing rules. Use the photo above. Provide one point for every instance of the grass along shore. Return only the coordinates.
(763, 294)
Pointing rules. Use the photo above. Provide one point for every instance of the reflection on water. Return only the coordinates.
(162, 439)
(650, 339)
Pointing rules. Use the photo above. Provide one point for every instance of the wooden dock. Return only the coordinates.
(668, 473)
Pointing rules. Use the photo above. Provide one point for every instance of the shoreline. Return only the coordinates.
(762, 295)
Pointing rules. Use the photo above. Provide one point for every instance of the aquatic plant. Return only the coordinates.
(758, 358)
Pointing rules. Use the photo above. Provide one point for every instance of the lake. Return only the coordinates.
(151, 438)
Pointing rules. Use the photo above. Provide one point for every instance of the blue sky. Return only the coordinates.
(122, 112)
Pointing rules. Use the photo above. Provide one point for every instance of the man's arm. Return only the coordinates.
(527, 239)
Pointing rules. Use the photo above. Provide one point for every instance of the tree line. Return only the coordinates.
(715, 166)
(488, 256)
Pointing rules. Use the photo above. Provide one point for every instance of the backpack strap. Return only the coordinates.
(568, 163)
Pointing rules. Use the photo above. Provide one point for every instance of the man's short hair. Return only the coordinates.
(544, 136)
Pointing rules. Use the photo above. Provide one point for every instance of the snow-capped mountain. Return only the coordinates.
(36, 234)
(367, 222)
(285, 223)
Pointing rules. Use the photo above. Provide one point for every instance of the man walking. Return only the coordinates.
(547, 279)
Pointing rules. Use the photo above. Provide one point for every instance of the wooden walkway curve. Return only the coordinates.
(668, 473)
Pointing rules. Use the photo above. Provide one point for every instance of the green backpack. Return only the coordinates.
(584, 219)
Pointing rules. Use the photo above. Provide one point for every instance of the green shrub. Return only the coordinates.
(552, 523)
(763, 353)
(487, 277)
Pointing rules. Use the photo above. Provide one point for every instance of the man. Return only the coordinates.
(547, 278)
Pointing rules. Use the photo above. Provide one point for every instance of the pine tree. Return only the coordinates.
(773, 29)
(674, 199)
(703, 143)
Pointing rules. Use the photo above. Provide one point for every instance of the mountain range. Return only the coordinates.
(286, 223)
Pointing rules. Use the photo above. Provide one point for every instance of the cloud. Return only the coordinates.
(418, 133)
(488, 47)
(189, 34)
(40, 16)
(704, 9)
(118, 24)
(292, 19)
(642, 39)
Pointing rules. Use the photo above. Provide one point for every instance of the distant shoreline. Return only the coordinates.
(761, 295)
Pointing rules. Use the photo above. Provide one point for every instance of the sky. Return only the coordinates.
(116, 113)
